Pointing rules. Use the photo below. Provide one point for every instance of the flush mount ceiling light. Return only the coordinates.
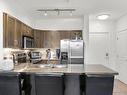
(103, 16)
(56, 10)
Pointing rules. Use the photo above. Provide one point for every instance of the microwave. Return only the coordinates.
(36, 54)
(28, 42)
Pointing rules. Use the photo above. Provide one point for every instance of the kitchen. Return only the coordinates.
(107, 37)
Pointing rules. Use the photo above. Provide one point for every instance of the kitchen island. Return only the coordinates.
(73, 80)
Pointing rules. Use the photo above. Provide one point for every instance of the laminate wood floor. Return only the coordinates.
(119, 88)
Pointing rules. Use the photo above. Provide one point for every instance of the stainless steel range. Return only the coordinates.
(72, 51)
(20, 57)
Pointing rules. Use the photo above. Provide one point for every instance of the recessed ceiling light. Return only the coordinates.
(103, 17)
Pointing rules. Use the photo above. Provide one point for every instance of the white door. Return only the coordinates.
(98, 47)
(122, 55)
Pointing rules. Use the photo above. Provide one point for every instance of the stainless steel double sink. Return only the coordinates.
(50, 65)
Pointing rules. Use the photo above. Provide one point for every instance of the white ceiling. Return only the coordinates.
(115, 8)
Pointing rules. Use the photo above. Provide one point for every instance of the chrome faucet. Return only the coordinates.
(49, 56)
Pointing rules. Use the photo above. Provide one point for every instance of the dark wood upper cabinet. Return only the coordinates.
(38, 39)
(27, 31)
(18, 34)
(65, 35)
(9, 31)
(70, 34)
(51, 39)
(14, 29)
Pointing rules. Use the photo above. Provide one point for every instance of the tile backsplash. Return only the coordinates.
(43, 51)
(8, 51)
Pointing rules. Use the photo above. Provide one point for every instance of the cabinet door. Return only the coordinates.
(47, 39)
(65, 35)
(99, 85)
(38, 38)
(51, 39)
(24, 29)
(29, 31)
(10, 32)
(5, 33)
(41, 39)
(18, 39)
(55, 41)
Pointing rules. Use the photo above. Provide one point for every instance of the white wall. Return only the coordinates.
(1, 35)
(101, 25)
(86, 38)
(101, 41)
(59, 24)
(10, 10)
(122, 23)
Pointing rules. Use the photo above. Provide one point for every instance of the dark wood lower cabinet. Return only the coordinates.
(68, 84)
(46, 84)
(72, 84)
(10, 84)
(99, 85)
(76, 84)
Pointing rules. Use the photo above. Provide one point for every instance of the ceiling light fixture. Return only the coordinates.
(57, 10)
(103, 17)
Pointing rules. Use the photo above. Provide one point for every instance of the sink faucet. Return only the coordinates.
(48, 61)
(49, 56)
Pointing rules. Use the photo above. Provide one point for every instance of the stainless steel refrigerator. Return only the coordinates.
(72, 51)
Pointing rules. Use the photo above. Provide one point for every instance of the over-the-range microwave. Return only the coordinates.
(27, 42)
(35, 55)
